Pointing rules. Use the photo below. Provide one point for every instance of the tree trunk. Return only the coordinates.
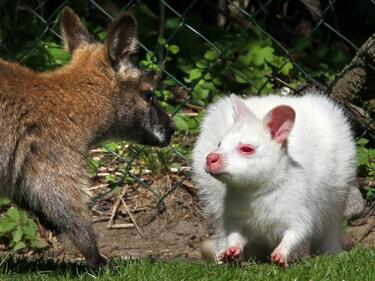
(355, 85)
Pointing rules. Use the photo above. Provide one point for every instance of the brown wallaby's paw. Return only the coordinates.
(97, 262)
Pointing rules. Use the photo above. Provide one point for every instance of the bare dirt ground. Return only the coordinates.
(159, 217)
(178, 230)
(175, 231)
(172, 229)
(362, 230)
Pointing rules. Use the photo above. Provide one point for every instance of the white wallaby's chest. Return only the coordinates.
(260, 217)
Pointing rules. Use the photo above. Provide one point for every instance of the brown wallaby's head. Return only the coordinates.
(138, 115)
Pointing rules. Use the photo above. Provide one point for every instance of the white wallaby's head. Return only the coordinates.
(253, 148)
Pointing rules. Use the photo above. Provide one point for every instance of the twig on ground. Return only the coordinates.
(114, 210)
(195, 107)
(131, 217)
(98, 186)
(100, 219)
(185, 183)
(369, 228)
(95, 210)
(98, 150)
(122, 225)
(189, 114)
(106, 196)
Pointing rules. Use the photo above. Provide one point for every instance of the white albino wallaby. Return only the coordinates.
(274, 172)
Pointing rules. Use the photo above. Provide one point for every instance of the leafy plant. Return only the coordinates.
(366, 166)
(17, 230)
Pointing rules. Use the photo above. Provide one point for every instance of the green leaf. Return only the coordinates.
(195, 73)
(244, 60)
(110, 178)
(17, 235)
(217, 81)
(362, 156)
(113, 146)
(185, 65)
(7, 224)
(362, 141)
(176, 165)
(207, 76)
(14, 214)
(211, 55)
(201, 64)
(59, 55)
(371, 153)
(93, 165)
(239, 78)
(203, 94)
(5, 202)
(162, 41)
(172, 23)
(261, 55)
(180, 123)
(30, 229)
(286, 68)
(169, 82)
(174, 49)
(19, 246)
(38, 244)
(192, 123)
(208, 85)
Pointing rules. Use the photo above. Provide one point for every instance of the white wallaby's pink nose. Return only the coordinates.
(214, 163)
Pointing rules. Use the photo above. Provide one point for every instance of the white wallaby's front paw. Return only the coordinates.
(230, 255)
(279, 258)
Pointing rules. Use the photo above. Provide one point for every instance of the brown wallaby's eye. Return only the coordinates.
(149, 96)
(219, 144)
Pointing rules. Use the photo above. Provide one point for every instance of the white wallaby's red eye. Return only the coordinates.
(247, 149)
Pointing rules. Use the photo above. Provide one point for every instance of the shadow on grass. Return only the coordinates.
(25, 265)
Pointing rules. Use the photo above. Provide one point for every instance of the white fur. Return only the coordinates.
(160, 136)
(281, 196)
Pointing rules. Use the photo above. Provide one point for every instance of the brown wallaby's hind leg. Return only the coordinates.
(57, 196)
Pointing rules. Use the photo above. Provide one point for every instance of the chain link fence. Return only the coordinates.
(168, 28)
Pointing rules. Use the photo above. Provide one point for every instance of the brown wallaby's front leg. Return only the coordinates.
(81, 232)
(54, 192)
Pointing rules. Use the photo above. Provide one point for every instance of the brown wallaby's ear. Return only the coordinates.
(74, 33)
(121, 40)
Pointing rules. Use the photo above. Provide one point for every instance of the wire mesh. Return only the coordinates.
(240, 16)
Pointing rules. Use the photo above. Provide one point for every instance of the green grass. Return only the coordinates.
(355, 265)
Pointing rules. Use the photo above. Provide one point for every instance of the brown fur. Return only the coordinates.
(48, 122)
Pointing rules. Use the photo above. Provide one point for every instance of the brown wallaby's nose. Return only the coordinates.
(214, 163)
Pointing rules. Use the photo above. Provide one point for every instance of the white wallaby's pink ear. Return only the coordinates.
(240, 108)
(280, 121)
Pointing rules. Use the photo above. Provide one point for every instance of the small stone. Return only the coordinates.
(355, 204)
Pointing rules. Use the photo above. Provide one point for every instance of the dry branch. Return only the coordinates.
(356, 84)
(131, 217)
(368, 230)
(114, 210)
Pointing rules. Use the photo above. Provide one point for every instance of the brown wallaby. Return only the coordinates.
(49, 120)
